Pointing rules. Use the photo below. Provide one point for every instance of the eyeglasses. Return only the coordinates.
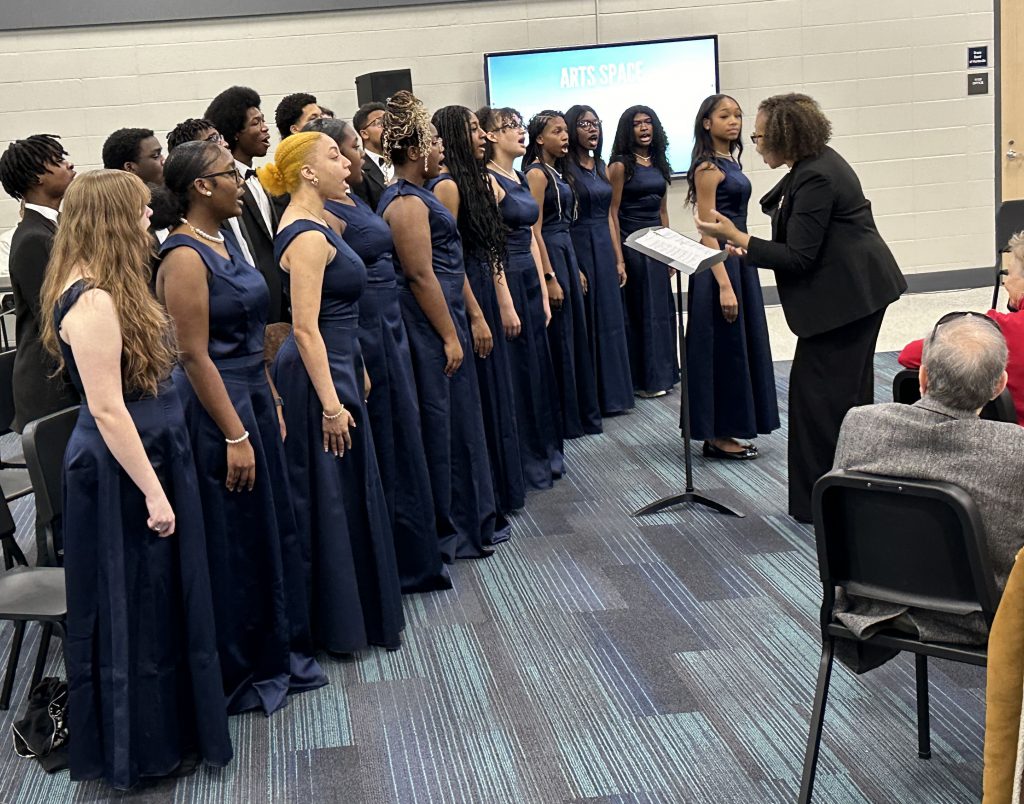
(589, 125)
(518, 126)
(755, 137)
(217, 138)
(233, 172)
(962, 314)
(377, 122)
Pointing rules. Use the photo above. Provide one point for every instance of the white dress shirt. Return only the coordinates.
(262, 199)
(385, 166)
(47, 212)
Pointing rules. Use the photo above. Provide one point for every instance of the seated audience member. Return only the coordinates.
(195, 129)
(940, 437)
(377, 171)
(236, 114)
(35, 171)
(136, 150)
(1011, 324)
(294, 111)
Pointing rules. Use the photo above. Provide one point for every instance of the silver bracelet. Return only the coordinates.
(333, 416)
(238, 440)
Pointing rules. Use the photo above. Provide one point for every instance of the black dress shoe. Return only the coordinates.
(711, 451)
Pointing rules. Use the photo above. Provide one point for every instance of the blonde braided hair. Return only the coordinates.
(406, 124)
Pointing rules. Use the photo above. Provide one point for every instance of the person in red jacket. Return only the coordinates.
(1011, 323)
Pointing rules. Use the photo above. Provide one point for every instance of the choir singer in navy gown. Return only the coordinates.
(218, 302)
(392, 406)
(145, 696)
(332, 466)
(835, 276)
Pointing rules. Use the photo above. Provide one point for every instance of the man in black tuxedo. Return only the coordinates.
(377, 173)
(35, 171)
(236, 114)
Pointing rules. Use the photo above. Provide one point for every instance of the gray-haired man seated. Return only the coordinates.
(941, 438)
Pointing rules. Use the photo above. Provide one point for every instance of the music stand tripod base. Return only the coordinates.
(687, 497)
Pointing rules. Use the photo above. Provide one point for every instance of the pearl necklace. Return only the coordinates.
(724, 156)
(504, 172)
(204, 235)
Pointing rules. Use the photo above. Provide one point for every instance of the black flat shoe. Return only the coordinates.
(711, 451)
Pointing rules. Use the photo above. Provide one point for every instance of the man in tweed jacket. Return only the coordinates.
(941, 438)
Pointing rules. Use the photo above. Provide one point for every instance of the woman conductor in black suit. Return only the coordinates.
(835, 276)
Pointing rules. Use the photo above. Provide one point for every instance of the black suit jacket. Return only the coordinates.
(261, 245)
(373, 184)
(831, 265)
(36, 393)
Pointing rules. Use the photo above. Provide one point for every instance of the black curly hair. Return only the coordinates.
(795, 127)
(623, 144)
(228, 111)
(123, 146)
(704, 146)
(480, 221)
(572, 118)
(187, 131)
(184, 165)
(26, 160)
(289, 110)
(363, 112)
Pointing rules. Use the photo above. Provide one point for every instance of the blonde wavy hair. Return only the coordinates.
(406, 124)
(283, 175)
(100, 236)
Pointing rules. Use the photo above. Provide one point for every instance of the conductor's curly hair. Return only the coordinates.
(795, 127)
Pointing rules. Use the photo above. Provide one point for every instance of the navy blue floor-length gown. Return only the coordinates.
(567, 333)
(731, 380)
(144, 680)
(453, 426)
(606, 324)
(259, 592)
(650, 307)
(392, 406)
(538, 411)
(494, 375)
(340, 508)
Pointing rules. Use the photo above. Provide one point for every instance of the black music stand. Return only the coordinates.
(1009, 221)
(689, 493)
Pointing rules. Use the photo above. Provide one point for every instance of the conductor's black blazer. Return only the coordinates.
(36, 393)
(373, 184)
(831, 265)
(261, 245)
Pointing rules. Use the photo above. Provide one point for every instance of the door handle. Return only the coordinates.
(1010, 153)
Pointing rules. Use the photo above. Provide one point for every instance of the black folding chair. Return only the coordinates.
(45, 441)
(28, 594)
(906, 389)
(7, 406)
(916, 543)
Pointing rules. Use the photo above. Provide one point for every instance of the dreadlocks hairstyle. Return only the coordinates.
(227, 112)
(187, 131)
(100, 235)
(536, 127)
(623, 144)
(572, 118)
(289, 110)
(704, 146)
(406, 125)
(795, 128)
(184, 165)
(26, 160)
(492, 119)
(123, 146)
(480, 222)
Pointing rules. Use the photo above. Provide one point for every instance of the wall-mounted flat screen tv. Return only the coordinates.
(672, 76)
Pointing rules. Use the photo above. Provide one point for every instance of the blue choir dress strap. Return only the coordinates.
(392, 404)
(453, 427)
(145, 693)
(259, 589)
(567, 333)
(534, 387)
(340, 508)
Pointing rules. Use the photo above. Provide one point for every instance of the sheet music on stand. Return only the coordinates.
(676, 250)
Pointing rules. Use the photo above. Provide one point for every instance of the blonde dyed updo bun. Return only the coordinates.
(283, 175)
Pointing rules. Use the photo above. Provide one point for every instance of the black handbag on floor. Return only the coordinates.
(42, 732)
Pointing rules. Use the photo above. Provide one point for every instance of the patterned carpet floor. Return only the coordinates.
(597, 658)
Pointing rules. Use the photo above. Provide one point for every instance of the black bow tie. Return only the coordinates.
(249, 174)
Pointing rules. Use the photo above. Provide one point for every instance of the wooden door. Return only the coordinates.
(1011, 72)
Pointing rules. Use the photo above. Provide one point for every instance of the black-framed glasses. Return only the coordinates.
(964, 314)
(517, 126)
(754, 138)
(589, 125)
(232, 172)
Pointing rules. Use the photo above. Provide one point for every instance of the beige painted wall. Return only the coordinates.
(890, 73)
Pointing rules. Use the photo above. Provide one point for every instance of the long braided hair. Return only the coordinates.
(622, 146)
(26, 160)
(480, 222)
(406, 124)
(534, 129)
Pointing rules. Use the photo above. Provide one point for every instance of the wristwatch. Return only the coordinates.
(549, 275)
